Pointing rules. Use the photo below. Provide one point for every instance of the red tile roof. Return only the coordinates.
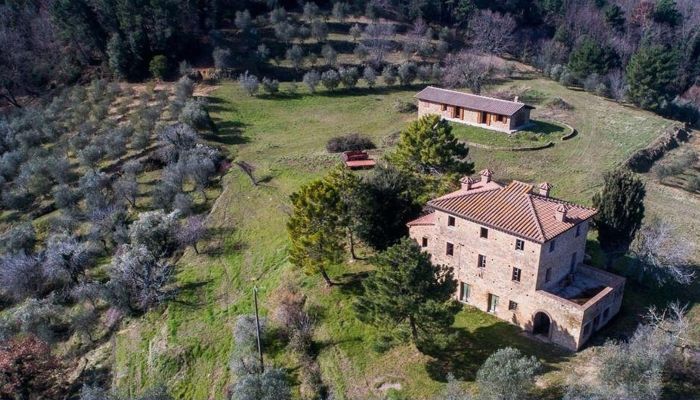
(470, 101)
(514, 209)
(428, 219)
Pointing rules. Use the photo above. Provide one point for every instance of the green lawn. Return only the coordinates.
(187, 345)
(538, 133)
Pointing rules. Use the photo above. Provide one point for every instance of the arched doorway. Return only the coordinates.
(541, 324)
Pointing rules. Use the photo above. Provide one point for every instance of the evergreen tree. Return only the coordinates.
(651, 74)
(615, 17)
(427, 146)
(407, 290)
(348, 186)
(590, 57)
(316, 235)
(620, 207)
(383, 206)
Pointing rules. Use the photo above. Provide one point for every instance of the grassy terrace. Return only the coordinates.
(188, 345)
(538, 133)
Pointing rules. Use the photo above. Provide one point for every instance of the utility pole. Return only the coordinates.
(257, 328)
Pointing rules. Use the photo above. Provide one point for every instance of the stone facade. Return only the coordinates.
(502, 123)
(542, 287)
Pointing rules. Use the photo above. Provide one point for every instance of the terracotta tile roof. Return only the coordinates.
(514, 209)
(428, 219)
(470, 101)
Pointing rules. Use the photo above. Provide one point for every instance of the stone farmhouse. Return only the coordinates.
(486, 112)
(519, 255)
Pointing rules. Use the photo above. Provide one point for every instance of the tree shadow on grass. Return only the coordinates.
(351, 283)
(188, 291)
(467, 351)
(229, 133)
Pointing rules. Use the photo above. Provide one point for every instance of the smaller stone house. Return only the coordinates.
(486, 112)
(519, 254)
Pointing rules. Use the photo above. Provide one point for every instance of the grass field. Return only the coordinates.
(187, 346)
(538, 133)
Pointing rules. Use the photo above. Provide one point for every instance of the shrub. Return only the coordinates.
(249, 83)
(370, 76)
(407, 73)
(349, 76)
(405, 107)
(389, 75)
(158, 66)
(311, 80)
(196, 115)
(330, 79)
(693, 184)
(349, 142)
(270, 86)
(222, 58)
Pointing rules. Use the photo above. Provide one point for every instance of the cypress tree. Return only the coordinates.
(620, 211)
(407, 290)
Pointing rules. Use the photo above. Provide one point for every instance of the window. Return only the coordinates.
(552, 245)
(548, 275)
(443, 107)
(572, 266)
(424, 242)
(450, 221)
(596, 322)
(587, 329)
(464, 290)
(519, 244)
(500, 118)
(450, 249)
(606, 314)
(484, 233)
(482, 261)
(516, 274)
(578, 230)
(512, 306)
(493, 303)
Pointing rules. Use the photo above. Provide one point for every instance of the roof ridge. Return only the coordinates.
(560, 201)
(536, 216)
(472, 94)
(465, 194)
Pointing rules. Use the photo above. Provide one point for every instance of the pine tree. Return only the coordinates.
(314, 229)
(620, 211)
(407, 290)
(383, 206)
(590, 57)
(651, 74)
(347, 185)
(427, 146)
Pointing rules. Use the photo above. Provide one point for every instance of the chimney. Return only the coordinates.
(516, 98)
(545, 187)
(467, 182)
(560, 213)
(486, 176)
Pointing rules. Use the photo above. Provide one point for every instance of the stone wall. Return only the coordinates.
(565, 246)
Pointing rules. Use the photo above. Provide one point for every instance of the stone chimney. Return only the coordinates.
(545, 187)
(467, 182)
(486, 176)
(516, 98)
(560, 213)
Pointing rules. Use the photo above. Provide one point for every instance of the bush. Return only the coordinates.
(195, 115)
(249, 83)
(405, 107)
(311, 80)
(158, 66)
(349, 142)
(270, 86)
(389, 75)
(330, 79)
(349, 76)
(693, 184)
(407, 73)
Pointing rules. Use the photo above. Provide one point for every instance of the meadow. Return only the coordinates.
(187, 346)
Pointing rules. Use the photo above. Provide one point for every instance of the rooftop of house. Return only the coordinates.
(470, 101)
(513, 208)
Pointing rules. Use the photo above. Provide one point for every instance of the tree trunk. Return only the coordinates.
(12, 100)
(326, 278)
(414, 329)
(194, 246)
(352, 244)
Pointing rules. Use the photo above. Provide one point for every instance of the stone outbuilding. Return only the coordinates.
(486, 112)
(518, 253)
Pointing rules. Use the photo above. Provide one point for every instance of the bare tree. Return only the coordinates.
(661, 254)
(466, 69)
(378, 39)
(66, 259)
(20, 275)
(492, 32)
(191, 231)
